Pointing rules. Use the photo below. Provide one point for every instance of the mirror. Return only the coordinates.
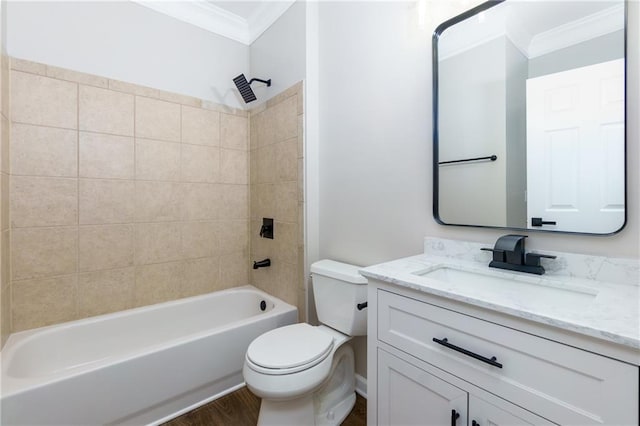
(529, 116)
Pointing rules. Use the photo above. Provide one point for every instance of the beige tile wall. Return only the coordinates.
(276, 146)
(5, 288)
(123, 196)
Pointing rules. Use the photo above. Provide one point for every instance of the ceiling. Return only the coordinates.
(239, 20)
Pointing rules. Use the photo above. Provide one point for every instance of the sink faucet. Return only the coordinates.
(509, 253)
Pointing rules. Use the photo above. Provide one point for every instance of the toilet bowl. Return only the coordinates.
(303, 373)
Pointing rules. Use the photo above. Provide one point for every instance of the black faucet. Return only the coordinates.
(509, 253)
(262, 264)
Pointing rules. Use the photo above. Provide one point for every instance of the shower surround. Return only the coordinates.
(121, 196)
(124, 196)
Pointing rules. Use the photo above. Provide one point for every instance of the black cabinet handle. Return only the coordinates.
(474, 423)
(454, 417)
(362, 305)
(537, 221)
(490, 361)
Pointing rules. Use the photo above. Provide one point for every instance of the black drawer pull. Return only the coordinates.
(454, 417)
(474, 423)
(491, 361)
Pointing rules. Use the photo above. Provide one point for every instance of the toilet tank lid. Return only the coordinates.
(338, 270)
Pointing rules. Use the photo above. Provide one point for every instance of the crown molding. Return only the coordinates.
(589, 27)
(595, 25)
(265, 16)
(212, 18)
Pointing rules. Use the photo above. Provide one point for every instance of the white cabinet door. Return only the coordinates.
(500, 413)
(408, 395)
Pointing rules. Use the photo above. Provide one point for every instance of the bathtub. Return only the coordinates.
(140, 366)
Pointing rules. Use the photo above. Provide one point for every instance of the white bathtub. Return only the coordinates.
(139, 366)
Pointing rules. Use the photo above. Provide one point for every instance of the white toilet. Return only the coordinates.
(305, 374)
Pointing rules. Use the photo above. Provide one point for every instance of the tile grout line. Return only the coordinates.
(119, 179)
(218, 248)
(250, 205)
(77, 281)
(181, 285)
(9, 230)
(132, 300)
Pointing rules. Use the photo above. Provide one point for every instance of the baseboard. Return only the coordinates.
(361, 386)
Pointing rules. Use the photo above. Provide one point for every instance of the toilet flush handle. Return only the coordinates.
(361, 306)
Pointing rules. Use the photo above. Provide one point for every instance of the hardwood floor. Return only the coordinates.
(241, 408)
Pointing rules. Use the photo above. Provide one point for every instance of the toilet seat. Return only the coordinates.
(288, 350)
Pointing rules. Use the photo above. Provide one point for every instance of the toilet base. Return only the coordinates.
(338, 413)
(299, 412)
(295, 412)
(329, 405)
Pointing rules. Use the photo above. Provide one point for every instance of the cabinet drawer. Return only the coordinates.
(561, 383)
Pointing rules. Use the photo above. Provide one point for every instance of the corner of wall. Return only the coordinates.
(5, 288)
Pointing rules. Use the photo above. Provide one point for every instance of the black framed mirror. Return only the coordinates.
(530, 116)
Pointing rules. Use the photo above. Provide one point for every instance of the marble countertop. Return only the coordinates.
(605, 310)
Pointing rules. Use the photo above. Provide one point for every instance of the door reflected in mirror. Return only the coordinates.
(529, 109)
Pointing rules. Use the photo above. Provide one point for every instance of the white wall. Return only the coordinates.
(126, 41)
(516, 127)
(3, 25)
(279, 54)
(375, 121)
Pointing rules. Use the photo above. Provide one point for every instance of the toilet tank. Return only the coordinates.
(338, 288)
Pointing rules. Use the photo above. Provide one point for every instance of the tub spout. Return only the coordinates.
(262, 264)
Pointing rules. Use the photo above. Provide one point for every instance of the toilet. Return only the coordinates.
(303, 373)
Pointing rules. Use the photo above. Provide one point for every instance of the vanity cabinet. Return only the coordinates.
(416, 397)
(430, 357)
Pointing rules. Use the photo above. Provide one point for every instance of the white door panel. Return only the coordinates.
(575, 148)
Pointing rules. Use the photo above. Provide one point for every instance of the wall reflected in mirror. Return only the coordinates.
(530, 116)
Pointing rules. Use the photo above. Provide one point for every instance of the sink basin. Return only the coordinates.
(534, 293)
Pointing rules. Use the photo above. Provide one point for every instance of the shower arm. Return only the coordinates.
(267, 82)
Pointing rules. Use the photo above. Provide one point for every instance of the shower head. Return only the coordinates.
(244, 87)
